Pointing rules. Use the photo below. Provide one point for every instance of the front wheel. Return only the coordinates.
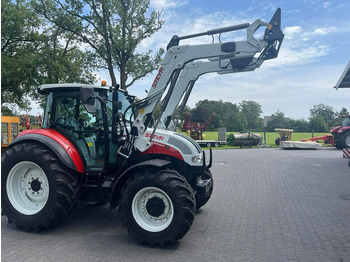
(157, 206)
(37, 189)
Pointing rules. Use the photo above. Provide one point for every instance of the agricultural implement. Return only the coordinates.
(244, 139)
(285, 135)
(95, 144)
(194, 129)
(340, 137)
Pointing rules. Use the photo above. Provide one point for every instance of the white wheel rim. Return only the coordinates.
(141, 212)
(347, 140)
(27, 188)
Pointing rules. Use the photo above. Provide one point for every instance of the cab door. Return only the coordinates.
(83, 129)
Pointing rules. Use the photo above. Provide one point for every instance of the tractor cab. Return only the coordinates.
(83, 114)
(346, 121)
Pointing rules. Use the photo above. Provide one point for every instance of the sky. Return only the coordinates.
(314, 52)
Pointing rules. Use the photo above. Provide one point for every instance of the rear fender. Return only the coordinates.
(335, 130)
(127, 173)
(58, 143)
(343, 129)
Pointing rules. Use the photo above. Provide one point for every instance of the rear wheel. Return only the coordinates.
(157, 206)
(37, 189)
(278, 141)
(343, 140)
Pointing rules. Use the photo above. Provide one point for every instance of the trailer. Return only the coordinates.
(211, 143)
(9, 130)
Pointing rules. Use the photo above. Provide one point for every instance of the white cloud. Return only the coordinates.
(326, 4)
(299, 55)
(290, 31)
(324, 30)
(167, 4)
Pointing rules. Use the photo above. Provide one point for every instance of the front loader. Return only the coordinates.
(96, 145)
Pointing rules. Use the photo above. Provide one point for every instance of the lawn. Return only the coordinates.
(270, 136)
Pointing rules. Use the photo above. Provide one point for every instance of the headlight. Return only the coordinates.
(197, 159)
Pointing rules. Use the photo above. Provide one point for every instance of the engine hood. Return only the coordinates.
(174, 144)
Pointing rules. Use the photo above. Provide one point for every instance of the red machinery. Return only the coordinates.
(196, 129)
(340, 137)
(36, 124)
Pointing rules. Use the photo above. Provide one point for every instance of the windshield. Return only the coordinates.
(70, 112)
(124, 98)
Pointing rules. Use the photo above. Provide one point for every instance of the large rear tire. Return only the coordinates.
(343, 140)
(157, 206)
(37, 189)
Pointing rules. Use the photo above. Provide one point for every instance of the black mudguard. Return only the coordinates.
(126, 174)
(50, 143)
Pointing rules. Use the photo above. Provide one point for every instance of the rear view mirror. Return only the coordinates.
(88, 99)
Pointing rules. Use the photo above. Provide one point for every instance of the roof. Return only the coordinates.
(344, 80)
(68, 85)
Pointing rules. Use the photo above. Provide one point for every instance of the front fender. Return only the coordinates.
(127, 173)
(58, 143)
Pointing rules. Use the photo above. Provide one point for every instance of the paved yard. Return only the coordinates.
(268, 205)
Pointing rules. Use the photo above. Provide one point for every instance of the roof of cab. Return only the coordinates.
(69, 85)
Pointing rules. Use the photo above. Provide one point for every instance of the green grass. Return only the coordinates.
(270, 137)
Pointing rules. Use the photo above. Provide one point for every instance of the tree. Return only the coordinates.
(112, 29)
(318, 124)
(343, 112)
(324, 111)
(19, 26)
(277, 120)
(252, 111)
(199, 114)
(239, 123)
(299, 125)
(224, 114)
(35, 53)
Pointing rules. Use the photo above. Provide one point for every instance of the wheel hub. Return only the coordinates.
(35, 185)
(155, 206)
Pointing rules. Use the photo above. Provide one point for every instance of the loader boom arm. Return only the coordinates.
(179, 70)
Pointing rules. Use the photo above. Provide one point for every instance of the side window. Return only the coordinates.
(65, 107)
(71, 113)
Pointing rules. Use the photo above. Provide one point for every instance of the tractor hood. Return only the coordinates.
(166, 142)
